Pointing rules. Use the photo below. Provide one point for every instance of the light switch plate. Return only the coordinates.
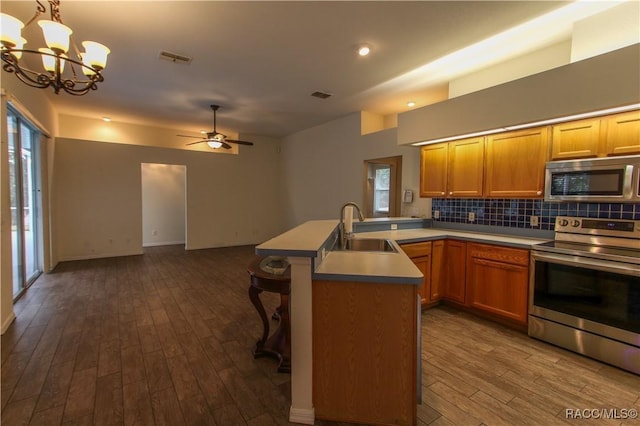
(472, 216)
(436, 214)
(394, 226)
(533, 220)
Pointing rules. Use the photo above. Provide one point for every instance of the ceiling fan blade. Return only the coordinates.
(226, 145)
(187, 136)
(193, 143)
(239, 142)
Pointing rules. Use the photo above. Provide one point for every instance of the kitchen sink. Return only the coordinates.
(368, 244)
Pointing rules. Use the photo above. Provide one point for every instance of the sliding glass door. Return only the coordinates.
(24, 182)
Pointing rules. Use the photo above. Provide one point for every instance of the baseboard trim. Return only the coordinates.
(100, 255)
(7, 322)
(165, 243)
(302, 415)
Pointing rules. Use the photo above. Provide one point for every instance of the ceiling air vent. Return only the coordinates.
(174, 57)
(321, 95)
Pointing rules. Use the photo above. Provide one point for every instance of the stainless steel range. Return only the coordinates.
(584, 289)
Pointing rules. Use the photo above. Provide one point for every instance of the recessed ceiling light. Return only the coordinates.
(364, 50)
(411, 104)
(107, 119)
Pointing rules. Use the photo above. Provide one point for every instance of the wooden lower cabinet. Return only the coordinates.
(474, 276)
(455, 254)
(365, 352)
(420, 254)
(497, 280)
(437, 270)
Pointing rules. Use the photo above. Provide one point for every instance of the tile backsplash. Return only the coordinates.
(515, 213)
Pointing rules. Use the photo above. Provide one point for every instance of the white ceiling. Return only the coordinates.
(261, 60)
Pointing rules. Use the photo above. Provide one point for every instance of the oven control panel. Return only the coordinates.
(605, 227)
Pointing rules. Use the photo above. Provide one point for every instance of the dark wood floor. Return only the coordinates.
(165, 338)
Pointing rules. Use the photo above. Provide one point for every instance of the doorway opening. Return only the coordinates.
(25, 200)
(164, 204)
(382, 186)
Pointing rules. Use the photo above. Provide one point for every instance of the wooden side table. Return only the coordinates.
(278, 345)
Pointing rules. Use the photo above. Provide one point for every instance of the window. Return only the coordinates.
(381, 189)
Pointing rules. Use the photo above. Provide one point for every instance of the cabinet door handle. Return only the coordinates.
(451, 193)
(442, 193)
(539, 193)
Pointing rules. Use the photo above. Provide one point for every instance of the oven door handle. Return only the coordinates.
(600, 265)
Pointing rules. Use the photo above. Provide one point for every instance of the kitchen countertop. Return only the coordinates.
(308, 240)
(404, 236)
(302, 241)
(388, 267)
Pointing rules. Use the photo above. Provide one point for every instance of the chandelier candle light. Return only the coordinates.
(83, 73)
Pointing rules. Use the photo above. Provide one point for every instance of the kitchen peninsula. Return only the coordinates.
(354, 325)
(341, 331)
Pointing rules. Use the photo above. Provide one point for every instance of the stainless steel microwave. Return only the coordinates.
(611, 179)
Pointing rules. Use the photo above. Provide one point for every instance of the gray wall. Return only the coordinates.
(97, 193)
(324, 168)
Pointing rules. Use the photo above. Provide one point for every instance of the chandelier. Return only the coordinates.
(83, 70)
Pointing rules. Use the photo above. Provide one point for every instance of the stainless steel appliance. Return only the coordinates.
(612, 180)
(584, 289)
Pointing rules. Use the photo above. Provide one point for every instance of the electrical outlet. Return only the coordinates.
(436, 214)
(533, 220)
(472, 216)
(394, 226)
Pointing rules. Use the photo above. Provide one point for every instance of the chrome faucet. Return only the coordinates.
(344, 235)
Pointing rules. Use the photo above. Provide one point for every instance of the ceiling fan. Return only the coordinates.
(214, 139)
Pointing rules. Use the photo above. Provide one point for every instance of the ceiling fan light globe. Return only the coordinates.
(214, 144)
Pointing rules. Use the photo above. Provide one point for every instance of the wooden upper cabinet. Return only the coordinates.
(576, 139)
(623, 134)
(466, 168)
(515, 163)
(453, 169)
(511, 165)
(433, 170)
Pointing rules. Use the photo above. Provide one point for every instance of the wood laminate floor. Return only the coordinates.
(165, 338)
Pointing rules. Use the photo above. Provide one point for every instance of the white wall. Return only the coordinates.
(610, 30)
(534, 62)
(231, 199)
(324, 168)
(163, 204)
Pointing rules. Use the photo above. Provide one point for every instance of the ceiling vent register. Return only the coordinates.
(321, 95)
(174, 57)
